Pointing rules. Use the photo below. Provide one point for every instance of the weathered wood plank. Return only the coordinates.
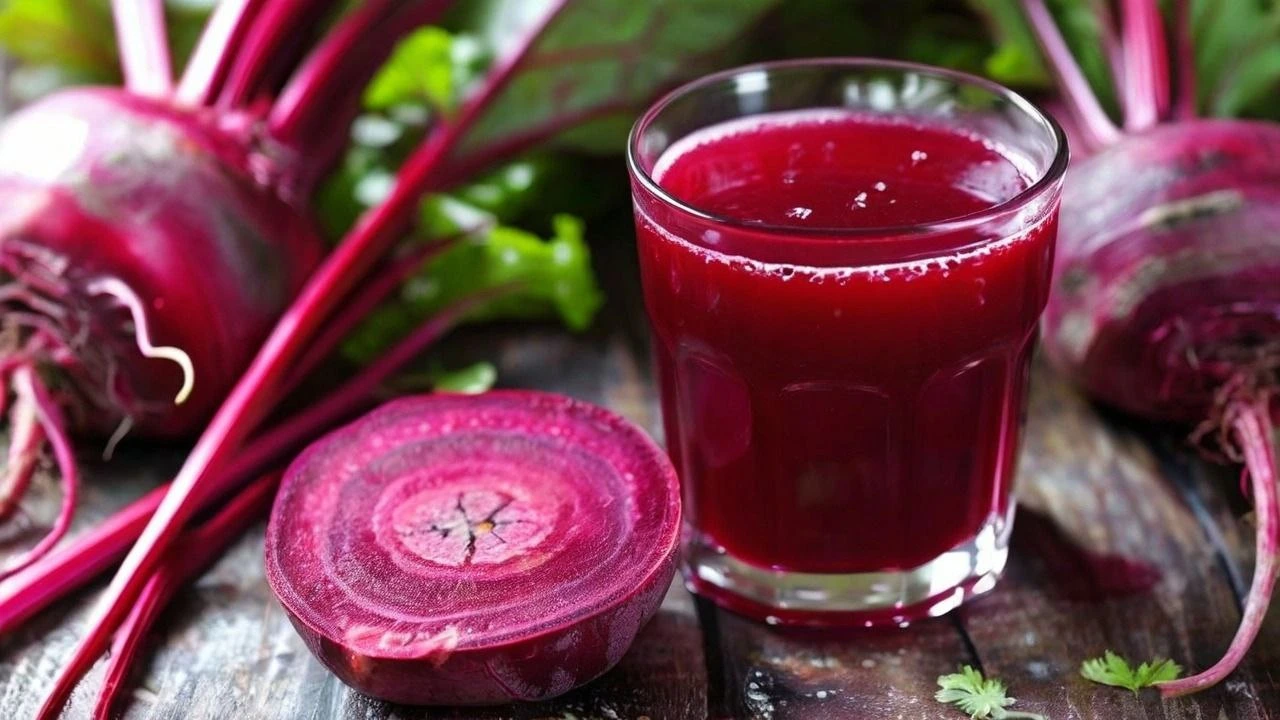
(1107, 555)
(779, 674)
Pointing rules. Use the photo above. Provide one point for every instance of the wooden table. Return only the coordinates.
(1122, 542)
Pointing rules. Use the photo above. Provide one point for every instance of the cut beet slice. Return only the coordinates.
(452, 549)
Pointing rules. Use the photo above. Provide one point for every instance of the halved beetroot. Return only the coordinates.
(451, 549)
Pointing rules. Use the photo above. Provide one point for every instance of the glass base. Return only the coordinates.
(866, 599)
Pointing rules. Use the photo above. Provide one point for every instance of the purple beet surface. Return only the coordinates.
(468, 550)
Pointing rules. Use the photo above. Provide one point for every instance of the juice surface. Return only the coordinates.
(829, 417)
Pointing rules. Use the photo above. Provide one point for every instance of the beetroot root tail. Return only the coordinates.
(31, 390)
(26, 437)
(1250, 422)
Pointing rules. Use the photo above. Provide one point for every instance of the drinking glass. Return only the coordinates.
(844, 403)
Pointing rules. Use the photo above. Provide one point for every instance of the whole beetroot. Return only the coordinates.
(1166, 291)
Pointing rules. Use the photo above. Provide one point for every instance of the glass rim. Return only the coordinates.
(1057, 167)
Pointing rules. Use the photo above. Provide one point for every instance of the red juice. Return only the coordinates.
(842, 389)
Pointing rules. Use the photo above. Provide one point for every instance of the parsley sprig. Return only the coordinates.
(1111, 669)
(983, 699)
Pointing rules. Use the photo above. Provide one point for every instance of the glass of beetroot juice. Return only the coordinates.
(844, 262)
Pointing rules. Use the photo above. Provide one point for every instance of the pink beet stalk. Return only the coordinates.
(211, 61)
(1146, 65)
(279, 22)
(1251, 423)
(1096, 129)
(195, 551)
(144, 46)
(73, 565)
(316, 107)
(31, 390)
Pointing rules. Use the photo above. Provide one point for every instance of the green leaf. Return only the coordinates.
(1111, 669)
(540, 278)
(599, 58)
(979, 697)
(1237, 48)
(429, 67)
(472, 379)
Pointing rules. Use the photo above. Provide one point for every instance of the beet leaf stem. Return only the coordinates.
(195, 552)
(216, 50)
(31, 390)
(1146, 65)
(266, 49)
(1096, 128)
(144, 46)
(318, 104)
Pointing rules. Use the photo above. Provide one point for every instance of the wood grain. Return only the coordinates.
(1107, 555)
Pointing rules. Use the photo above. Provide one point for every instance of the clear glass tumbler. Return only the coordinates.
(844, 262)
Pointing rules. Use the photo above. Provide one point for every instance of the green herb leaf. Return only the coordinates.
(979, 697)
(1111, 669)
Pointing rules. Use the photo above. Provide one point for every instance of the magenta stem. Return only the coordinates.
(30, 388)
(221, 40)
(1251, 423)
(265, 47)
(319, 124)
(466, 166)
(1185, 102)
(26, 438)
(144, 46)
(71, 566)
(1146, 65)
(345, 61)
(371, 294)
(1096, 129)
(195, 551)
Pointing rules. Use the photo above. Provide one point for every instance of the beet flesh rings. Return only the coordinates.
(451, 549)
